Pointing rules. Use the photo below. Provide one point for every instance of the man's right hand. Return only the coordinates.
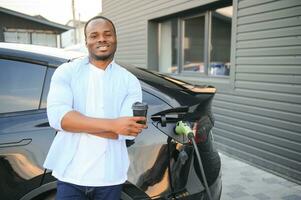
(128, 125)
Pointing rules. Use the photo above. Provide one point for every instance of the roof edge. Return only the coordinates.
(31, 18)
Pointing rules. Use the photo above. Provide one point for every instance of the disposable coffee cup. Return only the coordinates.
(140, 109)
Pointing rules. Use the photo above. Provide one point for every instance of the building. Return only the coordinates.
(250, 50)
(74, 36)
(21, 28)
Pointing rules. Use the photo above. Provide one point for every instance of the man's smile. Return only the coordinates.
(103, 47)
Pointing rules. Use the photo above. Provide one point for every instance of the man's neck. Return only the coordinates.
(102, 64)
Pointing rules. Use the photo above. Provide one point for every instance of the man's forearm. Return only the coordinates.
(76, 122)
(103, 134)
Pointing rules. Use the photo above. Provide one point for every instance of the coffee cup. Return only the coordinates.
(140, 109)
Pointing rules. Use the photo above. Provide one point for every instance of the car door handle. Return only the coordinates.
(22, 142)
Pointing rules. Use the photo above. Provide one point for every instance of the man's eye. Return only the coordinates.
(92, 36)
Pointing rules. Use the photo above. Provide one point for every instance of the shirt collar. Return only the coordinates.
(109, 67)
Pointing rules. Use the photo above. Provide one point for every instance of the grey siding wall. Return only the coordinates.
(258, 109)
(260, 120)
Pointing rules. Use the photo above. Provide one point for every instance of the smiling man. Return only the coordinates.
(100, 40)
(89, 103)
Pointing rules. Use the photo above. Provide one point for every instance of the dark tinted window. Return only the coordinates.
(46, 86)
(20, 85)
(155, 104)
(151, 99)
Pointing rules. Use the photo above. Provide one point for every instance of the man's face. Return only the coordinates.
(101, 39)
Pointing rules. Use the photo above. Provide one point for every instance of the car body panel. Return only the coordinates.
(24, 142)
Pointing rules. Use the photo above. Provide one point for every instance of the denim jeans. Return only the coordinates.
(68, 191)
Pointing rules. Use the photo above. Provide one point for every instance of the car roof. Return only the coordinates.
(35, 53)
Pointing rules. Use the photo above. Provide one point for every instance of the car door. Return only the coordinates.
(148, 156)
(25, 135)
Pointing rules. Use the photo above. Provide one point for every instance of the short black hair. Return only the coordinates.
(98, 17)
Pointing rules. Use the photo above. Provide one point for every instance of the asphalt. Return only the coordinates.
(242, 181)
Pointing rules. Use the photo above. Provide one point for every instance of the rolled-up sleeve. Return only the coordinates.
(134, 95)
(60, 97)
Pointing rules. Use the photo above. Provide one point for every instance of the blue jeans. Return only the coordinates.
(68, 191)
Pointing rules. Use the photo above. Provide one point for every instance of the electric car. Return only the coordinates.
(164, 164)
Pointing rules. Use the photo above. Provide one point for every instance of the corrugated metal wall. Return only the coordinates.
(259, 118)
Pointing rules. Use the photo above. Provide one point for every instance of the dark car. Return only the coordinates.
(163, 164)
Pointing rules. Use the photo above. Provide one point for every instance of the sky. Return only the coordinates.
(59, 11)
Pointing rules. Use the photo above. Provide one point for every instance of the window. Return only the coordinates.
(151, 99)
(198, 44)
(20, 85)
(154, 103)
(37, 37)
(45, 39)
(168, 49)
(49, 74)
(220, 41)
(17, 37)
(193, 44)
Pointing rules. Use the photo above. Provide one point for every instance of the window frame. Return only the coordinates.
(181, 33)
(48, 75)
(222, 83)
(207, 44)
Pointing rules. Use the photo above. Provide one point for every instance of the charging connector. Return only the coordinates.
(183, 128)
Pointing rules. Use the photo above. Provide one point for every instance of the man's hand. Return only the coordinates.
(128, 125)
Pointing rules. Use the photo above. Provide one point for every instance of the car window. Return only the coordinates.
(151, 99)
(49, 74)
(20, 85)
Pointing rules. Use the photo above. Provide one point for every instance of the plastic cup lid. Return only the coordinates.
(140, 106)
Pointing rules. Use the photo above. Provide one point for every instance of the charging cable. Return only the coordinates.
(183, 128)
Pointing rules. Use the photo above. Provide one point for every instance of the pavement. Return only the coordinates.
(242, 181)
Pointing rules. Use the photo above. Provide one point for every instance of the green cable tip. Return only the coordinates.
(183, 128)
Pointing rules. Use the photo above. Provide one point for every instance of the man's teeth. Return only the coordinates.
(102, 47)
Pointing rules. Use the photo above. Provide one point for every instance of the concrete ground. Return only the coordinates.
(242, 181)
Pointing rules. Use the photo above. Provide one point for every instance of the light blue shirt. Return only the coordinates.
(68, 91)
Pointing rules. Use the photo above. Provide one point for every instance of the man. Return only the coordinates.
(89, 103)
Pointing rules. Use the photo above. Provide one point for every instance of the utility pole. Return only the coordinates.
(74, 22)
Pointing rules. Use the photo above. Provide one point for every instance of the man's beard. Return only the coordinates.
(102, 58)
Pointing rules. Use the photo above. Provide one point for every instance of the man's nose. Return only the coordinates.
(101, 38)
